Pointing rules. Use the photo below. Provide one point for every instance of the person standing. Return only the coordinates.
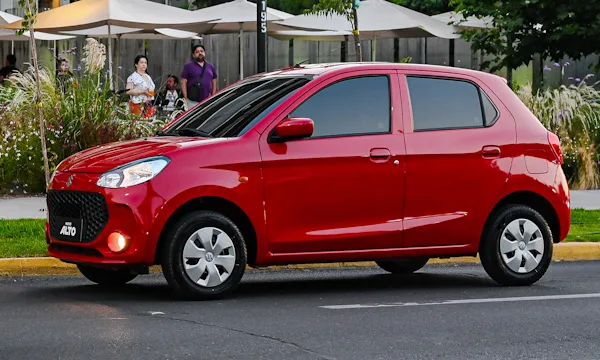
(140, 88)
(199, 78)
(64, 77)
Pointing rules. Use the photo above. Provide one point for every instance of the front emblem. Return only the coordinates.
(70, 181)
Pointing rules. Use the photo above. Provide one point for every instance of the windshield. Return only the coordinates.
(236, 110)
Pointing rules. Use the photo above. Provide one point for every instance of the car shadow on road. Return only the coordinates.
(269, 285)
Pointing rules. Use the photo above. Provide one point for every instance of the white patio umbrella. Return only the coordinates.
(239, 16)
(458, 20)
(120, 32)
(129, 14)
(377, 19)
(10, 35)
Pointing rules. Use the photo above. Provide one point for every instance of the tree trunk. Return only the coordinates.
(38, 100)
(357, 36)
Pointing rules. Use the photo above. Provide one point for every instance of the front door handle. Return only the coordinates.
(380, 155)
(490, 152)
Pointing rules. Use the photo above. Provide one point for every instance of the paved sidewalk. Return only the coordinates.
(23, 208)
(35, 207)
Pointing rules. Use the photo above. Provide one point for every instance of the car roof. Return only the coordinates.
(326, 68)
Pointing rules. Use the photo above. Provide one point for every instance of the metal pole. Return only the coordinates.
(451, 53)
(291, 52)
(241, 51)
(373, 48)
(12, 47)
(110, 59)
(118, 61)
(261, 35)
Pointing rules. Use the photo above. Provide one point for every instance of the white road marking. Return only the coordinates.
(154, 313)
(464, 301)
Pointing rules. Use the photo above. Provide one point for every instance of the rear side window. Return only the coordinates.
(355, 106)
(448, 104)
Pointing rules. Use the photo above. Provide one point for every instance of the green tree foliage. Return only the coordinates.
(552, 28)
(344, 8)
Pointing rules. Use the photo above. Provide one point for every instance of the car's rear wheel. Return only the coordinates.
(106, 277)
(205, 256)
(402, 266)
(516, 247)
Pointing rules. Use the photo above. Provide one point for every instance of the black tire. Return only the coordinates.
(402, 266)
(173, 264)
(489, 249)
(106, 277)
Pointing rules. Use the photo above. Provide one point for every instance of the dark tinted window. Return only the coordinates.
(491, 114)
(444, 104)
(234, 111)
(353, 106)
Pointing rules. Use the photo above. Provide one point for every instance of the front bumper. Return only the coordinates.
(98, 212)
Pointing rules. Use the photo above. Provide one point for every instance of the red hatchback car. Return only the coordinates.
(396, 163)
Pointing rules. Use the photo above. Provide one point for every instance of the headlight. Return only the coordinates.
(134, 173)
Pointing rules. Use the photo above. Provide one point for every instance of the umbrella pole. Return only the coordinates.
(110, 74)
(118, 61)
(373, 48)
(241, 51)
(12, 47)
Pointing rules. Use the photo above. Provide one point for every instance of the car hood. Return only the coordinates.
(103, 158)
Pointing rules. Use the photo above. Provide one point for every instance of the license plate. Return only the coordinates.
(69, 229)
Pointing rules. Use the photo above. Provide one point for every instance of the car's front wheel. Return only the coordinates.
(106, 277)
(205, 256)
(516, 247)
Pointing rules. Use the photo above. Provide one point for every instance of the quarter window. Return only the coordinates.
(354, 106)
(448, 104)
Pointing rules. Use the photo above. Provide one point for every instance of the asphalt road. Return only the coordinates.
(443, 312)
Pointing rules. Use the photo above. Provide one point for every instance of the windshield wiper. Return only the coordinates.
(183, 132)
(192, 131)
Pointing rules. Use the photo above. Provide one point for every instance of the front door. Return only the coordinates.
(342, 188)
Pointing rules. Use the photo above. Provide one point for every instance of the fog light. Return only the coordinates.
(117, 242)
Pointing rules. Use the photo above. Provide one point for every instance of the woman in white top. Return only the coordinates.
(140, 88)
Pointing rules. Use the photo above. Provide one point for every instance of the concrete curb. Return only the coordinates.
(53, 267)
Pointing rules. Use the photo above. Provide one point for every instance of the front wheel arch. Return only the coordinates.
(217, 204)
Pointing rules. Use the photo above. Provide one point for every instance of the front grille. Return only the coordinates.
(88, 206)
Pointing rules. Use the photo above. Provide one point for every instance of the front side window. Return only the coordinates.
(234, 111)
(448, 104)
(355, 106)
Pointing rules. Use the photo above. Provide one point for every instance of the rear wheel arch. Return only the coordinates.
(217, 204)
(534, 200)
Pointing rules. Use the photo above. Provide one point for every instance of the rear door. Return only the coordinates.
(342, 188)
(459, 143)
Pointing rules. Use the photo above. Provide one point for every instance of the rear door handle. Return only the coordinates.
(380, 155)
(490, 151)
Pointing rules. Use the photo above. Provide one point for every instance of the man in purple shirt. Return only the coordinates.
(199, 78)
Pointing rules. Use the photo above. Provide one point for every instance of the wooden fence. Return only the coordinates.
(169, 56)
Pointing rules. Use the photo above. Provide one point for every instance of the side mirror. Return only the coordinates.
(293, 128)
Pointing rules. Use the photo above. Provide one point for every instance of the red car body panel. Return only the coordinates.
(345, 198)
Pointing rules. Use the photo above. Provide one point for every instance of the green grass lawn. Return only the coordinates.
(24, 238)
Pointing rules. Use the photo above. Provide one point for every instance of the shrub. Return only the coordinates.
(573, 113)
(80, 113)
